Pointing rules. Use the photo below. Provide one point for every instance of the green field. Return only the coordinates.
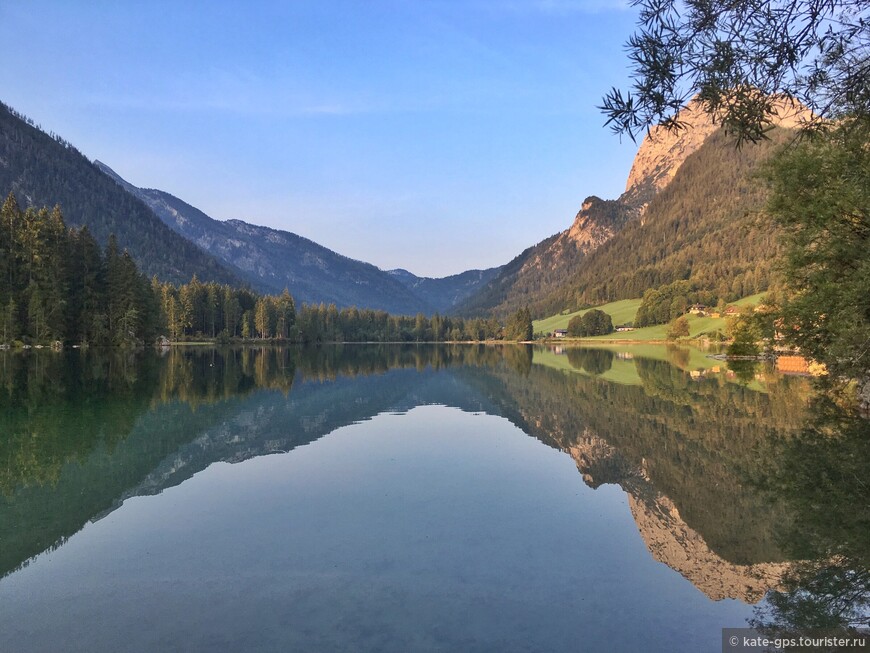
(624, 311)
(620, 312)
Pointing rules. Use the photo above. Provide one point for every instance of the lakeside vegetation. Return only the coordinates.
(621, 312)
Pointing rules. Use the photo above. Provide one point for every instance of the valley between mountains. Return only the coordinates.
(688, 213)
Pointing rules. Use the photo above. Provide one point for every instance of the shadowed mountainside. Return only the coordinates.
(44, 170)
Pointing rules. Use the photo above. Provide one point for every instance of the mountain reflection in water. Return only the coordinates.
(720, 471)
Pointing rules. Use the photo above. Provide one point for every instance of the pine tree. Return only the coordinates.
(10, 215)
(8, 322)
(264, 318)
(232, 312)
(286, 316)
(247, 324)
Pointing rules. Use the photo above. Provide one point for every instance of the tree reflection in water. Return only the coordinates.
(725, 476)
(822, 475)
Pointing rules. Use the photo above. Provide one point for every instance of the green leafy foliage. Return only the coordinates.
(663, 304)
(591, 323)
(820, 196)
(678, 328)
(519, 326)
(745, 332)
(740, 57)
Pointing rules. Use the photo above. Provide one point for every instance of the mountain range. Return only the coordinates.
(688, 212)
(271, 260)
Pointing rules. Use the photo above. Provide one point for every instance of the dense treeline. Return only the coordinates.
(48, 170)
(208, 310)
(668, 302)
(328, 324)
(59, 286)
(519, 326)
(591, 323)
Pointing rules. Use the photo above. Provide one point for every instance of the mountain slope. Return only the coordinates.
(43, 171)
(687, 213)
(444, 293)
(542, 268)
(272, 260)
(705, 227)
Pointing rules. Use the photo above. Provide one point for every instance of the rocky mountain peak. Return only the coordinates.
(595, 223)
(663, 151)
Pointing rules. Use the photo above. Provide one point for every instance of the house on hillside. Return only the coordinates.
(698, 309)
(560, 333)
(624, 327)
(731, 310)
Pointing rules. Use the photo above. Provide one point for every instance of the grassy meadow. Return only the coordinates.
(624, 311)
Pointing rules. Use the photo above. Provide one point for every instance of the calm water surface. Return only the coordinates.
(406, 498)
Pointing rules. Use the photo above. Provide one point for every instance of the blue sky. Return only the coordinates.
(436, 136)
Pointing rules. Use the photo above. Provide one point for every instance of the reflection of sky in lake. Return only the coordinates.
(434, 529)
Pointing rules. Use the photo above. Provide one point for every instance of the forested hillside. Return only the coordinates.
(690, 211)
(704, 227)
(57, 286)
(44, 170)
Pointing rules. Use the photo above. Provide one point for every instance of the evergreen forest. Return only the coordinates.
(59, 287)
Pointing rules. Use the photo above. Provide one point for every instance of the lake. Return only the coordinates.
(420, 498)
